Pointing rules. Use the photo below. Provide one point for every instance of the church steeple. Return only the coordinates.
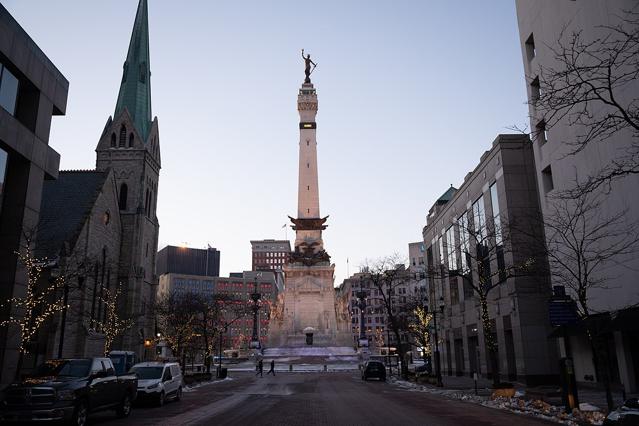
(135, 89)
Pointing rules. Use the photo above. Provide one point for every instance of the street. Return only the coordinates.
(311, 399)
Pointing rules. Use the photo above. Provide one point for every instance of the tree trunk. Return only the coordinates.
(19, 365)
(488, 338)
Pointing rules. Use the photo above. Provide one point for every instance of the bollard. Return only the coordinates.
(290, 367)
(325, 368)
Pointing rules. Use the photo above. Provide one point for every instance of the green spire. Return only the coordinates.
(135, 89)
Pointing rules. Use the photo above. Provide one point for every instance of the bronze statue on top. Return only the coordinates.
(308, 70)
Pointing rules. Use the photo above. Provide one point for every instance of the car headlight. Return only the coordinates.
(66, 395)
(153, 386)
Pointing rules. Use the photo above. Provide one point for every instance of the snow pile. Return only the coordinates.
(192, 387)
(588, 414)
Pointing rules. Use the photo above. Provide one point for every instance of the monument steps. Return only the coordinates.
(310, 351)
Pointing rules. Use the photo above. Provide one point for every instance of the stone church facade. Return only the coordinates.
(112, 235)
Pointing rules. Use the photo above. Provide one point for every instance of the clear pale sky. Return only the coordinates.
(410, 95)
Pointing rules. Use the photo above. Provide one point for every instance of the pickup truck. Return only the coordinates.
(69, 390)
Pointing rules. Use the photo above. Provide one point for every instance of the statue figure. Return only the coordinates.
(307, 70)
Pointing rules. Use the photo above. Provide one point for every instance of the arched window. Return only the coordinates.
(122, 143)
(131, 137)
(113, 140)
(124, 193)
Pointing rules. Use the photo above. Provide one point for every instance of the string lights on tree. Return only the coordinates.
(112, 326)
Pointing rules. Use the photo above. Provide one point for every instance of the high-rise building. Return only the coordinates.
(32, 90)
(546, 27)
(270, 255)
(188, 260)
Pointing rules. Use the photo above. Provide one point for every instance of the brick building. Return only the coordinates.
(270, 255)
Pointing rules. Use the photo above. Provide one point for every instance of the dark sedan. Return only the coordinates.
(374, 369)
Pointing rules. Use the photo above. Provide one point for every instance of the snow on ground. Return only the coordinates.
(194, 386)
(517, 405)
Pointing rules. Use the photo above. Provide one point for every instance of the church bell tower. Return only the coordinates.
(130, 145)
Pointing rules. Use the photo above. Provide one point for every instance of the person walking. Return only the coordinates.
(272, 370)
(260, 368)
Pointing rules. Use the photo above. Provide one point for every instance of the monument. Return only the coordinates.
(307, 313)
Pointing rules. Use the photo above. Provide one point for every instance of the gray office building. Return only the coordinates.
(189, 261)
(32, 90)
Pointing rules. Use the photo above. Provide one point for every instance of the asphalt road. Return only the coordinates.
(312, 399)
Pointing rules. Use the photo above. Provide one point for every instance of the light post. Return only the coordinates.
(255, 297)
(390, 308)
(438, 371)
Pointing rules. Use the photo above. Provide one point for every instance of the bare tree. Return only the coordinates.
(39, 304)
(593, 88)
(177, 317)
(388, 275)
(419, 329)
(485, 255)
(113, 325)
(584, 245)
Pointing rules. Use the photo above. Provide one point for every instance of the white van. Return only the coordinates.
(158, 381)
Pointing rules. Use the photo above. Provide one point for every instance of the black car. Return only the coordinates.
(68, 390)
(626, 415)
(374, 369)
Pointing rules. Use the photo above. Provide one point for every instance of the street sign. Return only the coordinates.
(562, 312)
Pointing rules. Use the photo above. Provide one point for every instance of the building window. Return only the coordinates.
(535, 91)
(494, 201)
(541, 133)
(131, 137)
(4, 159)
(546, 178)
(479, 217)
(451, 250)
(8, 90)
(531, 52)
(124, 193)
(113, 143)
(122, 142)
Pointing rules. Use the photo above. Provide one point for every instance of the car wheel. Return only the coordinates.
(161, 399)
(178, 394)
(124, 409)
(80, 414)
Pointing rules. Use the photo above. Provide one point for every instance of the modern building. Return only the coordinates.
(500, 192)
(270, 255)
(545, 26)
(32, 90)
(187, 260)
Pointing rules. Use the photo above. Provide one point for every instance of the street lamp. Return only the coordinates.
(255, 296)
(438, 371)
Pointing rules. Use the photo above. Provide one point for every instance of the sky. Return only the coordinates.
(411, 93)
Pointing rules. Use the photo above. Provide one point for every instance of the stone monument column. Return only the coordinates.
(308, 187)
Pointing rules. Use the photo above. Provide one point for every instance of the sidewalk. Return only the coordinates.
(550, 394)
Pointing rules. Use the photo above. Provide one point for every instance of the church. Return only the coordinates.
(98, 228)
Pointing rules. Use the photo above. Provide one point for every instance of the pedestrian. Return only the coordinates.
(272, 370)
(260, 368)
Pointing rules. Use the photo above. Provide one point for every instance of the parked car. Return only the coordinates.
(158, 381)
(69, 390)
(374, 369)
(425, 368)
(626, 415)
